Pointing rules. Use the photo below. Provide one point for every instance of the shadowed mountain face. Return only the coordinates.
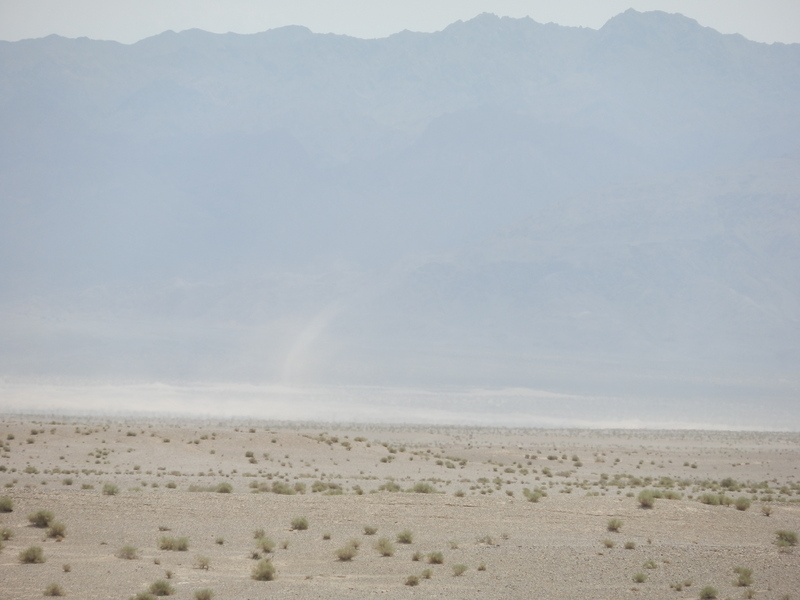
(499, 203)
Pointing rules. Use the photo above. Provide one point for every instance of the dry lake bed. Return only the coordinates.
(201, 509)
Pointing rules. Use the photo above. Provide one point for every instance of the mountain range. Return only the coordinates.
(499, 204)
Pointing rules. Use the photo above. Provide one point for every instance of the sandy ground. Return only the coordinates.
(478, 514)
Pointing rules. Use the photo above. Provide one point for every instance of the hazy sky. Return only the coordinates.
(131, 20)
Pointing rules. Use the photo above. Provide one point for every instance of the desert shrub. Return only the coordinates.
(436, 558)
(647, 498)
(6, 534)
(742, 503)
(614, 524)
(482, 566)
(204, 594)
(265, 544)
(708, 593)
(161, 588)
(202, 562)
(57, 530)
(370, 530)
(786, 538)
(405, 537)
(224, 488)
(283, 489)
(219, 541)
(170, 543)
(650, 564)
(128, 553)
(109, 489)
(67, 481)
(422, 487)
(390, 486)
(417, 556)
(326, 536)
(639, 577)
(284, 544)
(31, 556)
(299, 524)
(144, 596)
(53, 590)
(766, 510)
(259, 533)
(264, 570)
(427, 573)
(6, 504)
(384, 547)
(66, 567)
(346, 553)
(459, 569)
(609, 543)
(630, 545)
(41, 518)
(412, 580)
(745, 576)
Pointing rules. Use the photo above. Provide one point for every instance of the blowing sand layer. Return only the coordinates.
(488, 513)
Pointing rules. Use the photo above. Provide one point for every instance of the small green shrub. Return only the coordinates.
(128, 553)
(204, 594)
(786, 538)
(459, 570)
(614, 524)
(482, 566)
(57, 530)
(742, 503)
(6, 534)
(708, 593)
(144, 596)
(161, 588)
(346, 553)
(427, 573)
(417, 556)
(265, 544)
(647, 498)
(54, 590)
(41, 518)
(264, 570)
(609, 543)
(384, 547)
(436, 558)
(6, 504)
(412, 580)
(405, 537)
(299, 524)
(32, 556)
(630, 545)
(224, 488)
(170, 543)
(745, 576)
(766, 510)
(423, 487)
(202, 562)
(109, 489)
(370, 530)
(639, 578)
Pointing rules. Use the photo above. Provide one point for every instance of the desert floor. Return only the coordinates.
(114, 483)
